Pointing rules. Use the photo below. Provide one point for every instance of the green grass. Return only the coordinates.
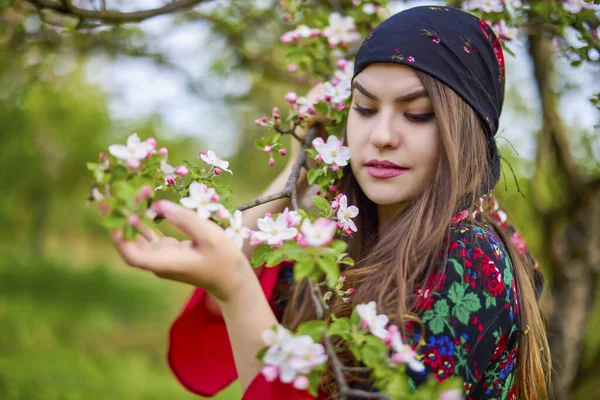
(91, 332)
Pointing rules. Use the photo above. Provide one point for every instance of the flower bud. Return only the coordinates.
(223, 213)
(151, 141)
(170, 180)
(312, 110)
(292, 68)
(268, 215)
(351, 291)
(275, 110)
(335, 81)
(346, 300)
(267, 149)
(335, 205)
(276, 116)
(265, 119)
(301, 383)
(332, 45)
(319, 158)
(348, 231)
(291, 97)
(201, 154)
(339, 196)
(342, 63)
(215, 198)
(333, 189)
(335, 168)
(137, 199)
(283, 152)
(340, 225)
(254, 241)
(181, 170)
(301, 117)
(258, 122)
(341, 106)
(393, 329)
(133, 163)
(217, 171)
(163, 151)
(271, 162)
(364, 323)
(270, 372)
(287, 17)
(102, 156)
(134, 221)
(343, 278)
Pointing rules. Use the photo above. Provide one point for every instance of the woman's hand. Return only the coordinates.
(210, 260)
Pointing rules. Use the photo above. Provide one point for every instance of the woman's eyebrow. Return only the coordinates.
(400, 99)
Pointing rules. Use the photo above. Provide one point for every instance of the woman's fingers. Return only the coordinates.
(201, 231)
(150, 234)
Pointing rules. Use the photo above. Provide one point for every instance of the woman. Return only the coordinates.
(427, 94)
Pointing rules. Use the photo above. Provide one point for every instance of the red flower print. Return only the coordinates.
(466, 49)
(517, 240)
(432, 358)
(397, 51)
(492, 278)
(500, 347)
(460, 216)
(511, 394)
(411, 59)
(483, 24)
(436, 40)
(423, 296)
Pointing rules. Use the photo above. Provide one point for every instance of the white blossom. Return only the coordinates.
(340, 30)
(318, 234)
(212, 159)
(405, 354)
(369, 8)
(333, 152)
(202, 199)
(338, 93)
(485, 5)
(275, 232)
(345, 213)
(135, 149)
(236, 231)
(370, 319)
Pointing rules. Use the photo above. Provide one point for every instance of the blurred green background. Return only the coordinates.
(77, 323)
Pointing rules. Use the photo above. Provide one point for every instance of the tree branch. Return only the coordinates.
(113, 17)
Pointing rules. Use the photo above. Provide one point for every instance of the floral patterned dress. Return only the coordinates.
(469, 308)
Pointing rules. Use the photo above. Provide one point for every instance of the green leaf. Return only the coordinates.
(260, 254)
(456, 292)
(313, 174)
(114, 221)
(314, 329)
(302, 213)
(303, 269)
(441, 308)
(508, 276)
(339, 245)
(130, 232)
(324, 180)
(118, 173)
(457, 267)
(490, 301)
(322, 203)
(347, 261)
(93, 166)
(275, 258)
(331, 269)
(436, 325)
(471, 302)
(340, 327)
(322, 108)
(261, 353)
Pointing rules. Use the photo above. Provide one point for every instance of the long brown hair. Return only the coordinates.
(392, 262)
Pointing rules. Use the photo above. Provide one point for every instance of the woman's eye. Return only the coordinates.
(420, 117)
(365, 112)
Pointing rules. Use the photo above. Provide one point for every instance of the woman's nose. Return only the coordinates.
(383, 135)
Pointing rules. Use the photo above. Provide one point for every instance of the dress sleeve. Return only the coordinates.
(470, 315)
(200, 354)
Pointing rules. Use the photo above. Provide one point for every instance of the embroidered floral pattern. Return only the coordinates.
(468, 46)
(471, 317)
(434, 35)
(434, 8)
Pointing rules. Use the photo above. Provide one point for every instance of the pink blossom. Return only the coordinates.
(181, 170)
(341, 64)
(301, 240)
(258, 122)
(214, 198)
(270, 372)
(335, 205)
(275, 110)
(364, 323)
(291, 97)
(170, 180)
(335, 168)
(267, 149)
(317, 141)
(134, 221)
(146, 191)
(133, 163)
(319, 158)
(301, 383)
(151, 141)
(283, 152)
(254, 240)
(223, 213)
(163, 151)
(519, 243)
(341, 106)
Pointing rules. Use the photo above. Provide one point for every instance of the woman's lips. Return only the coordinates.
(384, 173)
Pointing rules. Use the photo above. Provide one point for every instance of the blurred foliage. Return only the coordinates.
(75, 322)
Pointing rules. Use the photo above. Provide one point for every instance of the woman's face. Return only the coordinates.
(391, 133)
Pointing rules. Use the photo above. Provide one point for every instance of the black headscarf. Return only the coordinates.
(453, 46)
